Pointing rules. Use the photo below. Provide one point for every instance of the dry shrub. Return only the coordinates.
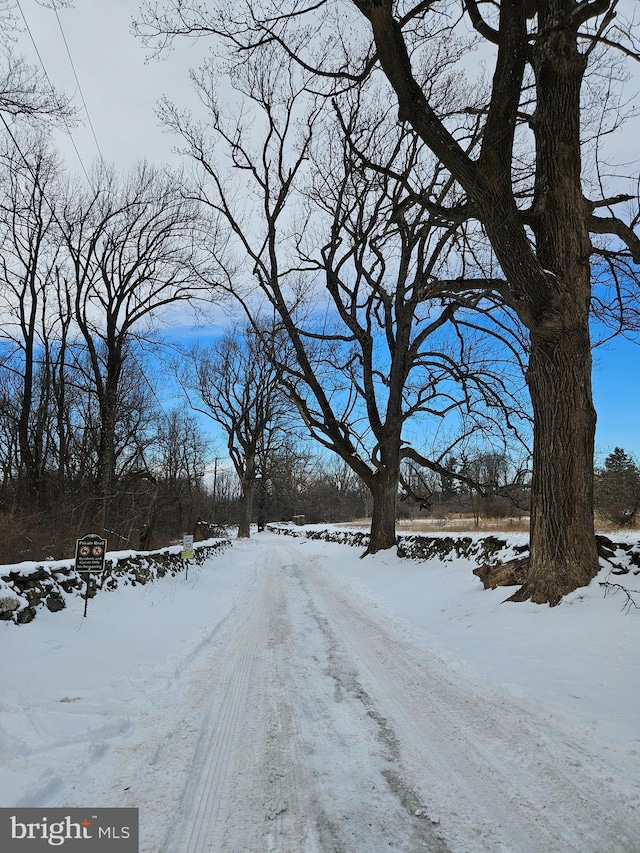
(32, 536)
(19, 533)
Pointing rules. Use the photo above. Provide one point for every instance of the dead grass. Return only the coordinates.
(456, 525)
(466, 524)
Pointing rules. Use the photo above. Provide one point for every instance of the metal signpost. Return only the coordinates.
(187, 551)
(90, 554)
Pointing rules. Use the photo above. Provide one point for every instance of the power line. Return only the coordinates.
(86, 108)
(53, 91)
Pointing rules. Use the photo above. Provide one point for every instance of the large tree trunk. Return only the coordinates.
(246, 509)
(107, 446)
(384, 492)
(563, 553)
(247, 475)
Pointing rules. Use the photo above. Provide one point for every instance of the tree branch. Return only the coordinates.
(479, 23)
(613, 225)
(410, 453)
(586, 10)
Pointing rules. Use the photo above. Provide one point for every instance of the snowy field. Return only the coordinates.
(289, 696)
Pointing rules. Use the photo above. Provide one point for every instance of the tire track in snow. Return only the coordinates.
(269, 785)
(244, 786)
(362, 802)
(288, 761)
(212, 800)
(495, 772)
(206, 798)
(282, 760)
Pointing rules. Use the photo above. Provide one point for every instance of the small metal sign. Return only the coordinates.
(187, 552)
(187, 547)
(90, 553)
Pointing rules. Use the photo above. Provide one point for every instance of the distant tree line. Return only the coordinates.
(84, 271)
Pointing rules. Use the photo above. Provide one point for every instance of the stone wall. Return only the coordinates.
(620, 557)
(418, 547)
(23, 591)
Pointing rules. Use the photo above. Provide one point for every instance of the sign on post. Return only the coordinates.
(90, 554)
(187, 551)
(187, 547)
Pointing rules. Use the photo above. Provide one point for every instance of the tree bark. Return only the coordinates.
(563, 545)
(109, 401)
(384, 492)
(246, 509)
(512, 573)
(105, 467)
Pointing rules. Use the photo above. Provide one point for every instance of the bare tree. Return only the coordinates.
(523, 186)
(26, 95)
(176, 471)
(289, 475)
(133, 249)
(25, 92)
(236, 384)
(28, 270)
(370, 326)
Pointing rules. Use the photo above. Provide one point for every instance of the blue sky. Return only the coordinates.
(616, 392)
(616, 388)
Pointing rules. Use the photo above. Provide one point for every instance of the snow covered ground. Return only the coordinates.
(289, 696)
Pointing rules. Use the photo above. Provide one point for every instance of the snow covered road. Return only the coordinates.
(292, 754)
(321, 729)
(308, 721)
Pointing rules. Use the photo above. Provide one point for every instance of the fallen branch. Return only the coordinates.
(613, 588)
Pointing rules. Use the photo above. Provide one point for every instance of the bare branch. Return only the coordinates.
(615, 226)
(479, 23)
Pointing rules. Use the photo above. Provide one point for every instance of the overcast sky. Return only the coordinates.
(121, 90)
